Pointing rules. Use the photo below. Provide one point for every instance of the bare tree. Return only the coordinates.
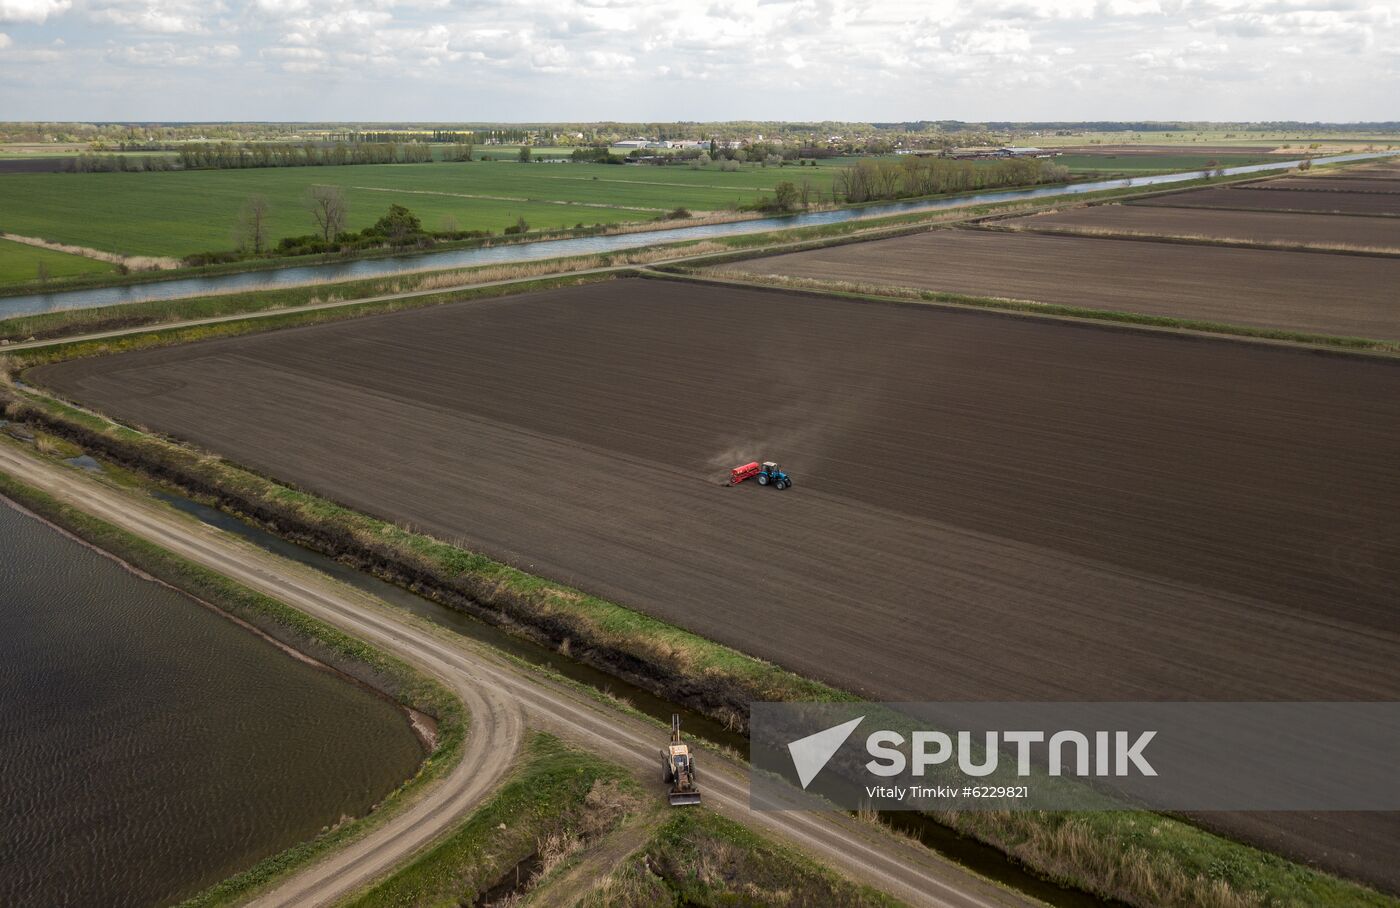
(251, 232)
(330, 209)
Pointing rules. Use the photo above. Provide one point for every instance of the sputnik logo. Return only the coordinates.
(813, 752)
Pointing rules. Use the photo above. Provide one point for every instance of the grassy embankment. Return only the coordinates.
(699, 858)
(155, 312)
(369, 665)
(556, 801)
(285, 319)
(1136, 857)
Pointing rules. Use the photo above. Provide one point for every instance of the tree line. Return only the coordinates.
(913, 176)
(237, 156)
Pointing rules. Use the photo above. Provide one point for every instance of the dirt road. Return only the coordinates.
(500, 697)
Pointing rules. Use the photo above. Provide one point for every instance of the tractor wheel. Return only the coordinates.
(763, 479)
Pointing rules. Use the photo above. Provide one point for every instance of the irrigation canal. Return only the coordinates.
(356, 269)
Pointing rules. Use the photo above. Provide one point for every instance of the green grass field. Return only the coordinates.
(1139, 164)
(1185, 138)
(180, 213)
(20, 263)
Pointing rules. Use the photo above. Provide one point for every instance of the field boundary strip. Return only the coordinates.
(1180, 240)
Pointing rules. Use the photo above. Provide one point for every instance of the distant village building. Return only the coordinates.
(1003, 151)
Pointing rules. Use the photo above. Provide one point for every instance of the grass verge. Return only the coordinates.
(43, 325)
(556, 801)
(698, 858)
(1146, 859)
(292, 318)
(393, 677)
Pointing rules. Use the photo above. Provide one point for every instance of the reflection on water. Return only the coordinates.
(150, 747)
(525, 252)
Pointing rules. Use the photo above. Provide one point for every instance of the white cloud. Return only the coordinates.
(170, 54)
(994, 41)
(859, 59)
(32, 11)
(599, 59)
(166, 17)
(5, 40)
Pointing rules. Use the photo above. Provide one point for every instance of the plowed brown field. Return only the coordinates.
(1354, 183)
(984, 506)
(1298, 291)
(1338, 231)
(1281, 200)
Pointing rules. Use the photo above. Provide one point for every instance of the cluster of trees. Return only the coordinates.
(789, 196)
(329, 211)
(920, 176)
(458, 151)
(595, 154)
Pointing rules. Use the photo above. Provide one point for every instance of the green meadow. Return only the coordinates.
(178, 213)
(19, 263)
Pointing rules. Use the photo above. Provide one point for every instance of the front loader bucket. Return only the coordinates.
(684, 798)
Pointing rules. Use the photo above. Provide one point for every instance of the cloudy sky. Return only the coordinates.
(464, 60)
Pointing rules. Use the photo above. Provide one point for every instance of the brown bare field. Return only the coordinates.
(1354, 183)
(1264, 199)
(1296, 291)
(983, 507)
(1283, 229)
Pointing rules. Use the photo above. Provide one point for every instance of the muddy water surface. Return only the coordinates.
(149, 746)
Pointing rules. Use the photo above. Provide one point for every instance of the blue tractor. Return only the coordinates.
(769, 474)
